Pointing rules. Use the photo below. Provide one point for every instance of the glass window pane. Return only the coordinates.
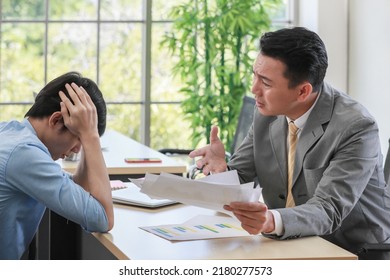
(282, 16)
(164, 86)
(22, 9)
(72, 47)
(13, 112)
(73, 10)
(168, 128)
(121, 10)
(22, 63)
(120, 61)
(125, 118)
(162, 8)
(117, 59)
(281, 13)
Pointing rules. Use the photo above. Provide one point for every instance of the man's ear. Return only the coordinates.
(56, 120)
(305, 89)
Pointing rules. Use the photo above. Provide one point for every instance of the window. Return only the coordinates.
(114, 42)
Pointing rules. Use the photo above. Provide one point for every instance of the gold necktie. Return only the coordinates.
(292, 138)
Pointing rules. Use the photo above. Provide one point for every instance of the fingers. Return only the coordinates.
(77, 94)
(64, 106)
(251, 225)
(78, 110)
(88, 101)
(214, 134)
(251, 229)
(213, 155)
(73, 94)
(198, 152)
(202, 151)
(206, 169)
(248, 206)
(252, 215)
(87, 97)
(202, 162)
(65, 100)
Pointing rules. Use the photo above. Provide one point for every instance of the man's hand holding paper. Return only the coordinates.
(254, 216)
(212, 192)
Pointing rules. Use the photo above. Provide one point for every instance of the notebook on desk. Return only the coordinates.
(131, 195)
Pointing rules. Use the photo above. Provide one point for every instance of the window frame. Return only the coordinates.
(147, 23)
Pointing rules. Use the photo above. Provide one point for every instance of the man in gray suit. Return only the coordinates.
(337, 184)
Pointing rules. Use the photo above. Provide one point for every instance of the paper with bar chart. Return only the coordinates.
(200, 227)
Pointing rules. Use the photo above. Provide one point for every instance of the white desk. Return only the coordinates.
(127, 241)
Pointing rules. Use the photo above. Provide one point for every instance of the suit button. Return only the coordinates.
(281, 196)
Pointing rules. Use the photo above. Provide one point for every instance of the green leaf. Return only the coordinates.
(214, 45)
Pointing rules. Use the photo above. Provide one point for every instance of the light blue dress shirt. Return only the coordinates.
(30, 181)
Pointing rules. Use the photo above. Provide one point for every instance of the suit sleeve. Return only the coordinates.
(243, 159)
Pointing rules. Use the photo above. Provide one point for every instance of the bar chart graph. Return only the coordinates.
(204, 227)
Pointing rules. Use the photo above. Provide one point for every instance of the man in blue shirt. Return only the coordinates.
(68, 116)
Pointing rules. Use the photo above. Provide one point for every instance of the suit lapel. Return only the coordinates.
(306, 140)
(313, 129)
(278, 137)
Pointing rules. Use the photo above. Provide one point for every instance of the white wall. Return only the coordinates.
(357, 37)
(369, 60)
(329, 19)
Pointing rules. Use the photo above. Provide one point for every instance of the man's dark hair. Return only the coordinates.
(301, 50)
(48, 100)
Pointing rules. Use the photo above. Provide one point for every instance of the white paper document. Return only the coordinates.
(200, 227)
(211, 192)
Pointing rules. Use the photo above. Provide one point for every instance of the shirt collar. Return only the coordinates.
(27, 124)
(301, 121)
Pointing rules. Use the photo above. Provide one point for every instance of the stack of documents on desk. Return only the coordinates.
(211, 192)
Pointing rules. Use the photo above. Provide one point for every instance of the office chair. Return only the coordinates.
(244, 122)
(368, 248)
(387, 166)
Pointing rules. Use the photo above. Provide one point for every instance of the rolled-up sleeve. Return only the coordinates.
(31, 170)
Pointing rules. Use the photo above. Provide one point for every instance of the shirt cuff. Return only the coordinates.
(278, 224)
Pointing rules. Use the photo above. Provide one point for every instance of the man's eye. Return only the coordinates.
(266, 84)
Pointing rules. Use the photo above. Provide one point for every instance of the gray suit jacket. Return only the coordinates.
(338, 183)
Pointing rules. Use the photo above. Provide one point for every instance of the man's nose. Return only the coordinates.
(256, 89)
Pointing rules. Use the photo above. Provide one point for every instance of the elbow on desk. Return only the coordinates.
(110, 223)
(101, 221)
(101, 226)
(110, 216)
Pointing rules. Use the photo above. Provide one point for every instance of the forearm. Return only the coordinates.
(92, 174)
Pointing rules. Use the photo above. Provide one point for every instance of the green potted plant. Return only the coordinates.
(214, 43)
